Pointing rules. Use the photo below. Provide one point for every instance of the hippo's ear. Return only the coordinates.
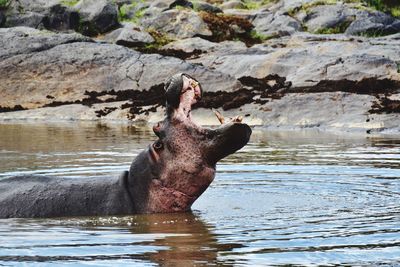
(158, 129)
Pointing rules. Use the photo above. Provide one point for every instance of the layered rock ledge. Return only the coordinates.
(273, 64)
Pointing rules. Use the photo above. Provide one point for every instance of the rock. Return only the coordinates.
(2, 18)
(97, 16)
(51, 15)
(130, 35)
(345, 18)
(161, 4)
(178, 24)
(132, 11)
(233, 4)
(305, 61)
(275, 24)
(61, 18)
(23, 40)
(37, 6)
(29, 19)
(329, 17)
(57, 70)
(189, 45)
(290, 5)
(181, 3)
(374, 24)
(204, 6)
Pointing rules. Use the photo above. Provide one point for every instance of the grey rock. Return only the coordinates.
(233, 4)
(349, 19)
(131, 35)
(329, 16)
(374, 23)
(197, 44)
(204, 6)
(133, 11)
(162, 4)
(149, 13)
(269, 23)
(28, 19)
(178, 24)
(38, 6)
(289, 5)
(305, 61)
(48, 64)
(2, 18)
(23, 40)
(61, 18)
(97, 16)
(181, 3)
(52, 15)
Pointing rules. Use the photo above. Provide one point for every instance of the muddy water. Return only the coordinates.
(303, 198)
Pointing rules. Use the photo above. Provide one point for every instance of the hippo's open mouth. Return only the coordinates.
(222, 141)
(181, 164)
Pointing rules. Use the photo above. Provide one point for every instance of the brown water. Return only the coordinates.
(304, 198)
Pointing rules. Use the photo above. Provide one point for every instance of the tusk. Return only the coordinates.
(219, 116)
(237, 119)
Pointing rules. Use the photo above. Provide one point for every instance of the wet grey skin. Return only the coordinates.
(166, 177)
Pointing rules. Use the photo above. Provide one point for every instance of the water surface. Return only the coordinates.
(304, 198)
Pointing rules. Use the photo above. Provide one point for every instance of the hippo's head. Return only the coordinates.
(178, 167)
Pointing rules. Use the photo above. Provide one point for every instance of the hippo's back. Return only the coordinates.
(42, 196)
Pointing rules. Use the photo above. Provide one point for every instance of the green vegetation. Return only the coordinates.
(249, 4)
(307, 6)
(398, 67)
(341, 28)
(124, 13)
(373, 34)
(259, 38)
(178, 7)
(160, 39)
(388, 6)
(4, 3)
(69, 2)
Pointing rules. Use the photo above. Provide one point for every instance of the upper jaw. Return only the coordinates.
(227, 139)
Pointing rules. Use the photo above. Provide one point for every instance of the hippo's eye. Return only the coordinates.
(158, 145)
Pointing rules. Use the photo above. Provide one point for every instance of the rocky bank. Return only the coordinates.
(289, 64)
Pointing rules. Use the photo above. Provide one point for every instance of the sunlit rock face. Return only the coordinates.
(275, 63)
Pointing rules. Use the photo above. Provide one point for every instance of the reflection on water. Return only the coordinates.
(287, 198)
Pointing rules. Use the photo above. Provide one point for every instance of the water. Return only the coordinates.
(303, 198)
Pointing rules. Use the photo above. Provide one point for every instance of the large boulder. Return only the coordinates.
(275, 24)
(61, 18)
(51, 15)
(97, 16)
(206, 7)
(24, 41)
(344, 18)
(329, 18)
(304, 60)
(178, 23)
(28, 19)
(42, 69)
(131, 35)
(2, 18)
(374, 24)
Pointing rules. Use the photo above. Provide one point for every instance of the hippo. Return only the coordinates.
(167, 176)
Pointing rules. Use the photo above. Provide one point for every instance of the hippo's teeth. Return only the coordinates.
(237, 119)
(219, 116)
